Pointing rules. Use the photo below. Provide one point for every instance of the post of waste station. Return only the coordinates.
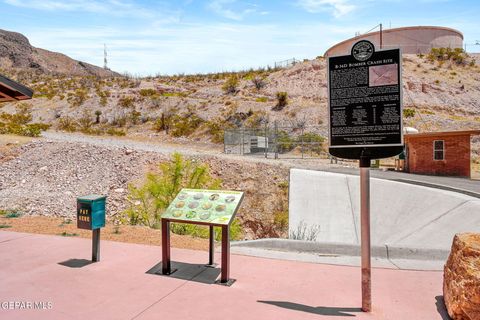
(365, 233)
(91, 216)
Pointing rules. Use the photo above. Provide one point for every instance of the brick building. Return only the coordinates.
(439, 153)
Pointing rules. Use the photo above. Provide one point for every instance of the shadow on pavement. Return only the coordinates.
(324, 311)
(188, 271)
(442, 310)
(75, 263)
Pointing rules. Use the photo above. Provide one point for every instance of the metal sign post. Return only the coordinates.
(365, 123)
(365, 234)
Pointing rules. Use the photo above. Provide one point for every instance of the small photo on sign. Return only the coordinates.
(384, 75)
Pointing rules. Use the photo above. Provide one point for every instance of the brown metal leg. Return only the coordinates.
(166, 268)
(225, 277)
(212, 246)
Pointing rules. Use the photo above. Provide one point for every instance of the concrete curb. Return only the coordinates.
(385, 252)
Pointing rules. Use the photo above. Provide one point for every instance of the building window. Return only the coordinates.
(439, 150)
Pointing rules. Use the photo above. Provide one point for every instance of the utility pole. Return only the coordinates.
(105, 64)
(381, 36)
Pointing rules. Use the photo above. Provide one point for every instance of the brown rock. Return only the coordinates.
(461, 279)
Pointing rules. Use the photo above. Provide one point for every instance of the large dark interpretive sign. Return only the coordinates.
(365, 103)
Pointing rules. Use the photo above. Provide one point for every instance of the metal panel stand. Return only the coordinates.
(365, 234)
(211, 249)
(96, 245)
(225, 276)
(166, 264)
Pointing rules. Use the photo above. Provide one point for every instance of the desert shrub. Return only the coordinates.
(78, 97)
(230, 85)
(261, 99)
(282, 101)
(148, 92)
(255, 119)
(312, 142)
(135, 116)
(456, 55)
(175, 94)
(67, 124)
(115, 132)
(103, 95)
(126, 102)
(305, 232)
(23, 114)
(85, 122)
(19, 122)
(258, 83)
(185, 124)
(216, 129)
(285, 142)
(408, 113)
(148, 201)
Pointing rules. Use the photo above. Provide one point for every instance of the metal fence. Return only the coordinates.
(286, 63)
(276, 142)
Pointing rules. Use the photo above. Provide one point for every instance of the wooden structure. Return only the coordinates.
(13, 91)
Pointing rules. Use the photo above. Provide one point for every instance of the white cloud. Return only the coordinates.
(114, 7)
(226, 9)
(337, 7)
(191, 48)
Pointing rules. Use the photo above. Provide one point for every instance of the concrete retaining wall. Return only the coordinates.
(402, 215)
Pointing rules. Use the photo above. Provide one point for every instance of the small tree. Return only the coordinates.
(150, 200)
(98, 113)
(230, 86)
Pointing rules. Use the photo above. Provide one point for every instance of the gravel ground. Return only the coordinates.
(48, 174)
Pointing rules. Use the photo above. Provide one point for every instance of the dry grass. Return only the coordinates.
(8, 145)
(127, 233)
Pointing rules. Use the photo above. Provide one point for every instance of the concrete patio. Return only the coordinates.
(126, 284)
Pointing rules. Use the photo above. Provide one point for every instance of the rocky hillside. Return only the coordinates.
(17, 52)
(441, 93)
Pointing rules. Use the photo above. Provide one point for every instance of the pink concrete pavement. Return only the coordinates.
(119, 287)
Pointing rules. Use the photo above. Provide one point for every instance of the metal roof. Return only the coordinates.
(13, 91)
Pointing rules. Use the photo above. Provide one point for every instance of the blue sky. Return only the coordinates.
(190, 36)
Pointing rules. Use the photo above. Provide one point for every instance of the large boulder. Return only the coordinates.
(461, 279)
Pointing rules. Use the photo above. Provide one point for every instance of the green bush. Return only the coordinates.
(148, 201)
(230, 85)
(312, 142)
(115, 132)
(408, 113)
(261, 99)
(236, 232)
(285, 142)
(148, 92)
(18, 123)
(185, 124)
(67, 124)
(85, 122)
(216, 128)
(126, 102)
(441, 55)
